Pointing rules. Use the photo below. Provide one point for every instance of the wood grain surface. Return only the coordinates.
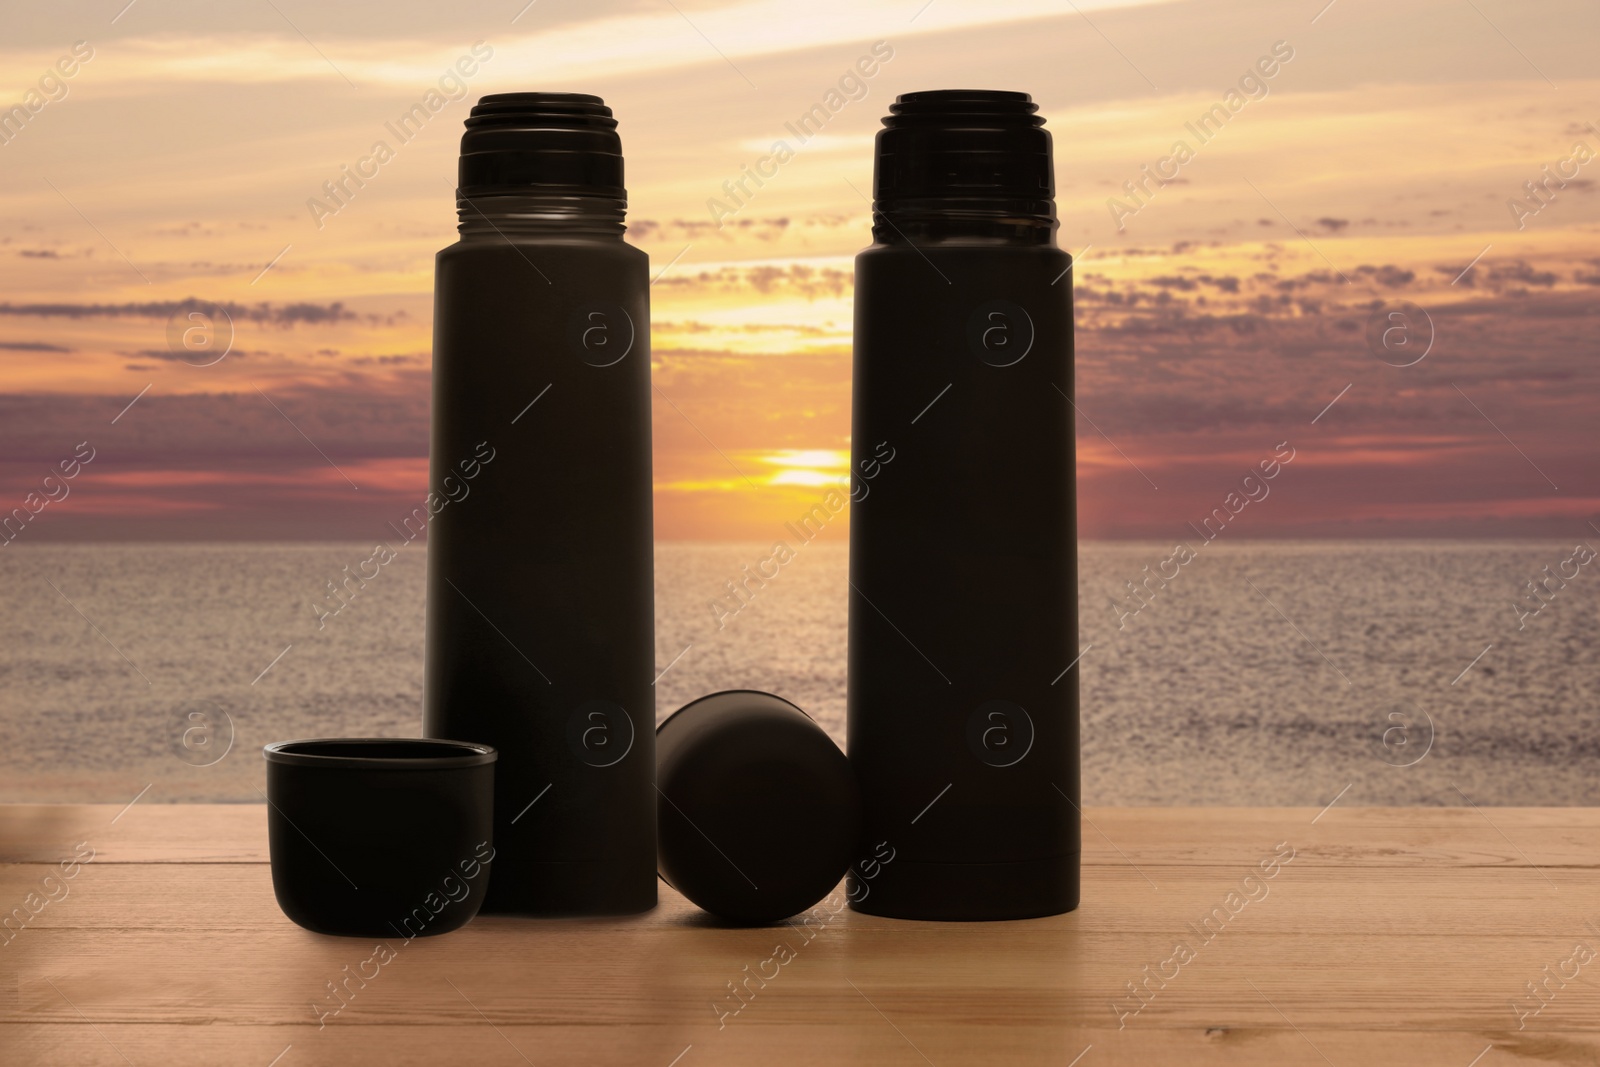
(1392, 936)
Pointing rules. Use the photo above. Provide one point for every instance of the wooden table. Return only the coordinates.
(1392, 936)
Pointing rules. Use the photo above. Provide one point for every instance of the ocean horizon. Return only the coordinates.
(1252, 673)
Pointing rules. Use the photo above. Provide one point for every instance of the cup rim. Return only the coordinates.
(446, 755)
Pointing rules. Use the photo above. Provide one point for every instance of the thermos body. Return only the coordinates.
(540, 628)
(963, 716)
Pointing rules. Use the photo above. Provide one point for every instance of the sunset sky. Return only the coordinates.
(1376, 165)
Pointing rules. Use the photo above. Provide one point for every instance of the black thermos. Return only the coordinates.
(540, 628)
(963, 716)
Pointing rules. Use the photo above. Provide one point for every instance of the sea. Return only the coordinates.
(1255, 673)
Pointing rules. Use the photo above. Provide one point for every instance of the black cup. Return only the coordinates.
(380, 836)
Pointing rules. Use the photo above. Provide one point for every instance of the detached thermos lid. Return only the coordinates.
(759, 814)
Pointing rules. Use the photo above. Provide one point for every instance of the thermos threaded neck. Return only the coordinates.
(560, 150)
(964, 162)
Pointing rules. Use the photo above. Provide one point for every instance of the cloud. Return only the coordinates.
(31, 346)
(701, 229)
(222, 429)
(797, 279)
(1499, 277)
(696, 326)
(396, 360)
(1519, 272)
(1162, 356)
(291, 314)
(385, 49)
(1389, 276)
(168, 356)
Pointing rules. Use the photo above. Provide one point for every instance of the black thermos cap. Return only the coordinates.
(759, 815)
